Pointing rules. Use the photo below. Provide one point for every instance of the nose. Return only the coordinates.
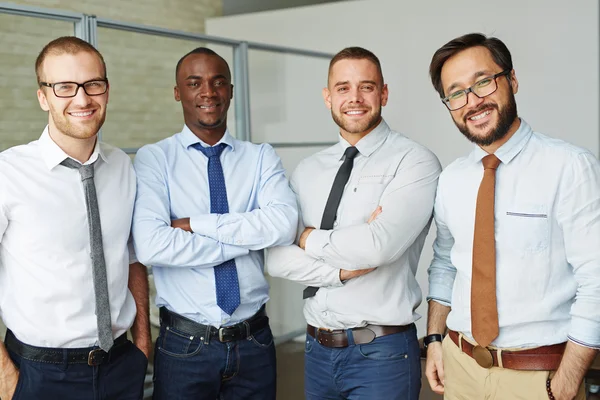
(207, 89)
(473, 100)
(355, 96)
(81, 97)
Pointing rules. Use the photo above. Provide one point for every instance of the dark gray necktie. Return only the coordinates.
(333, 202)
(105, 336)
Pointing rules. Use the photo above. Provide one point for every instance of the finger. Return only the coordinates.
(374, 214)
(440, 372)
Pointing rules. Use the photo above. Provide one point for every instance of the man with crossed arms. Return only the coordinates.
(366, 203)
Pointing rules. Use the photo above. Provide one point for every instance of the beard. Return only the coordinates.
(358, 126)
(81, 130)
(506, 115)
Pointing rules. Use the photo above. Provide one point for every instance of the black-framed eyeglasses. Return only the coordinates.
(481, 89)
(95, 87)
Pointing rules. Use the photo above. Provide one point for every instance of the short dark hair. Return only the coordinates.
(356, 53)
(200, 50)
(62, 45)
(497, 48)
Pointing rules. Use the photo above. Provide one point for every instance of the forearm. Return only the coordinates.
(292, 263)
(573, 367)
(8, 372)
(436, 317)
(138, 285)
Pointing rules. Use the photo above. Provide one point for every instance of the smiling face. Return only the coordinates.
(79, 117)
(355, 94)
(205, 91)
(490, 120)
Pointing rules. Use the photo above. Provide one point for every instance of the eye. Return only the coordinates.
(342, 89)
(483, 82)
(367, 88)
(219, 83)
(456, 95)
(94, 84)
(192, 84)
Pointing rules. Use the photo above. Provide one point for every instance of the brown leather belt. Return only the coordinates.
(545, 358)
(363, 335)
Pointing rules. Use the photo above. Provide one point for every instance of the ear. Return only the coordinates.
(384, 95)
(231, 93)
(42, 100)
(176, 93)
(327, 97)
(514, 83)
(107, 91)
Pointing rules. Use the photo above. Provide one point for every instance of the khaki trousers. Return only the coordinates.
(466, 380)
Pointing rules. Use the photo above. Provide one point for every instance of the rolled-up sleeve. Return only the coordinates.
(579, 218)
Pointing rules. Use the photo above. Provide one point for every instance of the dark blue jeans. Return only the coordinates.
(185, 367)
(121, 378)
(388, 368)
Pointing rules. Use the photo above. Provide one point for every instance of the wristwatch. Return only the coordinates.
(427, 340)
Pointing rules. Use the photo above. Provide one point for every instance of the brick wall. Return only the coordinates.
(140, 67)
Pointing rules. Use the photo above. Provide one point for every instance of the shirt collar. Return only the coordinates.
(53, 155)
(188, 138)
(369, 143)
(508, 150)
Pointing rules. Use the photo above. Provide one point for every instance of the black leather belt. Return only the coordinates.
(89, 355)
(225, 334)
(363, 335)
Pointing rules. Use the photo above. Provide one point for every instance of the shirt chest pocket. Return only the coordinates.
(524, 228)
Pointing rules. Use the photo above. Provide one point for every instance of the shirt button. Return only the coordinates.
(335, 223)
(325, 313)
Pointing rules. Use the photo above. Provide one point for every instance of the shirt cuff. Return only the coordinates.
(333, 279)
(316, 242)
(585, 332)
(205, 225)
(440, 293)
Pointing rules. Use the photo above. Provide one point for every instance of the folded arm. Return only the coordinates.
(407, 203)
(273, 223)
(156, 242)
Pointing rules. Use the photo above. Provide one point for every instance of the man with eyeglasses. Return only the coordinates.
(70, 287)
(517, 257)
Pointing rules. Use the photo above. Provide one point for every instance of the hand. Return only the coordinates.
(374, 214)
(182, 223)
(303, 237)
(563, 390)
(434, 367)
(145, 347)
(8, 381)
(346, 274)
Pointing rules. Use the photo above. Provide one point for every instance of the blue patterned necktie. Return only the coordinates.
(226, 278)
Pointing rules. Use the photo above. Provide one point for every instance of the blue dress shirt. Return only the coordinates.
(547, 222)
(172, 183)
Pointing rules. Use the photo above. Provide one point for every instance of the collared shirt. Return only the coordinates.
(173, 183)
(46, 284)
(391, 171)
(547, 222)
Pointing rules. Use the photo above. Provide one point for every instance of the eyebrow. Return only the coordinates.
(475, 76)
(360, 83)
(220, 76)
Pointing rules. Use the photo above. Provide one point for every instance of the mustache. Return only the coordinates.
(479, 109)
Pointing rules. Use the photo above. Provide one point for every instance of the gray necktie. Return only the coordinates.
(105, 337)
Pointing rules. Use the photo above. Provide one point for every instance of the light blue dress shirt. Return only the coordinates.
(547, 222)
(172, 183)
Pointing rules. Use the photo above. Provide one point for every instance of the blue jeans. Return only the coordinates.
(121, 378)
(185, 367)
(388, 368)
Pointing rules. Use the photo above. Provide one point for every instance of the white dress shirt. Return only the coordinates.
(390, 171)
(547, 223)
(46, 284)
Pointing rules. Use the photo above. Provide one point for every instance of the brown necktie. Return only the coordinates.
(484, 310)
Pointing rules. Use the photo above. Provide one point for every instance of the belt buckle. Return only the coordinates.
(92, 362)
(319, 335)
(224, 336)
(483, 357)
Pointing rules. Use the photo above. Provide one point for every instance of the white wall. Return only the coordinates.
(554, 44)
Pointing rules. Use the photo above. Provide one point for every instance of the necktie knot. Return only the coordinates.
(86, 171)
(211, 152)
(490, 162)
(350, 153)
